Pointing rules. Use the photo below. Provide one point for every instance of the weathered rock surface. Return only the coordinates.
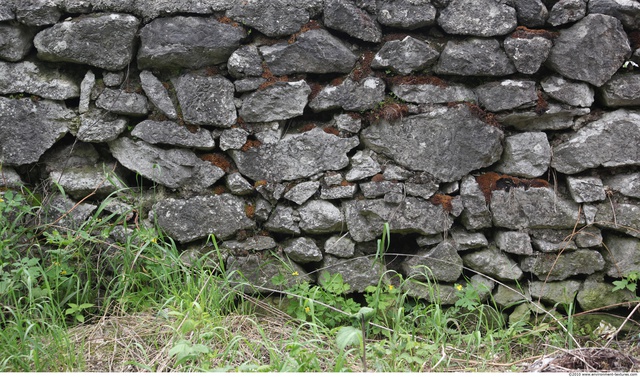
(15, 41)
(494, 263)
(447, 142)
(340, 246)
(302, 250)
(586, 189)
(119, 101)
(580, 54)
(80, 182)
(363, 165)
(622, 256)
(196, 218)
(38, 79)
(189, 42)
(570, 92)
(302, 192)
(595, 295)
(537, 207)
(507, 95)
(358, 272)
(482, 18)
(7, 10)
(277, 102)
(346, 16)
(531, 13)
(149, 10)
(527, 54)
(283, 219)
(236, 183)
(295, 156)
(206, 100)
(610, 141)
(255, 272)
(315, 51)
(350, 95)
(555, 292)
(171, 133)
(514, 242)
(320, 216)
(434, 93)
(60, 210)
(441, 263)
(566, 11)
(556, 117)
(275, 18)
(551, 267)
(405, 56)
(233, 138)
(622, 217)
(527, 154)
(407, 14)
(28, 129)
(245, 61)
(365, 218)
(474, 57)
(84, 41)
(157, 94)
(626, 184)
(552, 240)
(467, 240)
(627, 11)
(441, 294)
(100, 126)
(476, 214)
(37, 12)
(621, 90)
(173, 168)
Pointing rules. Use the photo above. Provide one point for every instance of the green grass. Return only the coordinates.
(115, 294)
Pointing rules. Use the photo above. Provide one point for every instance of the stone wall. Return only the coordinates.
(497, 139)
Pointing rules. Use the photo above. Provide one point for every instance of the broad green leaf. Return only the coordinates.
(348, 336)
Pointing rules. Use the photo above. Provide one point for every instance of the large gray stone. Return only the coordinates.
(7, 10)
(579, 53)
(302, 192)
(552, 240)
(320, 216)
(595, 295)
(28, 129)
(98, 180)
(514, 242)
(283, 219)
(405, 56)
(465, 240)
(555, 292)
(622, 217)
(406, 14)
(340, 246)
(476, 214)
(531, 13)
(441, 264)
(567, 11)
(37, 12)
(474, 57)
(482, 18)
(434, 93)
(100, 126)
(365, 218)
(537, 207)
(626, 184)
(171, 133)
(570, 92)
(363, 165)
(255, 273)
(346, 16)
(157, 94)
(295, 156)
(302, 250)
(274, 18)
(527, 54)
(280, 101)
(15, 41)
(494, 263)
(556, 117)
(622, 255)
(350, 95)
(121, 102)
(552, 267)
(187, 42)
(627, 11)
(315, 51)
(610, 141)
(236, 183)
(199, 217)
(446, 142)
(586, 189)
(173, 168)
(621, 90)
(245, 61)
(206, 100)
(507, 94)
(58, 209)
(359, 272)
(527, 154)
(84, 40)
(38, 78)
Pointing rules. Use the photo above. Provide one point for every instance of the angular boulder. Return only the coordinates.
(476, 214)
(591, 50)
(434, 92)
(621, 90)
(446, 142)
(157, 94)
(171, 133)
(527, 154)
(441, 264)
(474, 57)
(573, 93)
(255, 273)
(531, 13)
(28, 128)
(274, 18)
(552, 267)
(567, 11)
(295, 156)
(527, 54)
(609, 141)
(280, 101)
(15, 41)
(405, 56)
(206, 100)
(626, 184)
(406, 14)
(350, 95)
(199, 217)
(622, 255)
(627, 11)
(39, 79)
(347, 17)
(494, 263)
(315, 51)
(121, 102)
(302, 250)
(481, 18)
(84, 40)
(100, 126)
(320, 216)
(507, 95)
(358, 273)
(187, 42)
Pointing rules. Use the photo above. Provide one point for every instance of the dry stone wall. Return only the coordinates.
(498, 139)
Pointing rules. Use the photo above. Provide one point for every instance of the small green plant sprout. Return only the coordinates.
(184, 351)
(629, 281)
(77, 310)
(352, 336)
(468, 297)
